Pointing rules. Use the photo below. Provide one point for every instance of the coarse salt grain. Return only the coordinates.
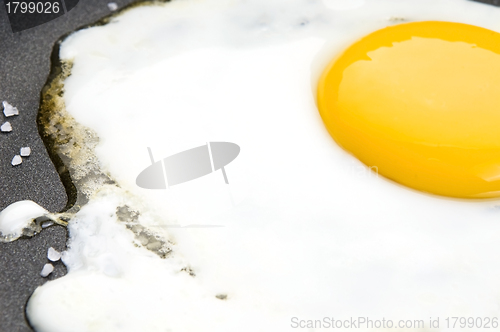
(25, 151)
(53, 255)
(9, 110)
(6, 127)
(17, 160)
(112, 6)
(47, 269)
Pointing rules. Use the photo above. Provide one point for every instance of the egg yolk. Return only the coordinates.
(421, 103)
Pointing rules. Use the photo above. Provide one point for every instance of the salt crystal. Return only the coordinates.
(112, 6)
(17, 160)
(47, 223)
(9, 110)
(47, 269)
(53, 255)
(25, 152)
(6, 127)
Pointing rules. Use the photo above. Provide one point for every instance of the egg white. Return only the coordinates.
(305, 229)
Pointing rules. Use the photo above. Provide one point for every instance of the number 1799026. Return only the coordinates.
(472, 322)
(14, 7)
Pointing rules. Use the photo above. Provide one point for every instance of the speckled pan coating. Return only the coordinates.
(24, 67)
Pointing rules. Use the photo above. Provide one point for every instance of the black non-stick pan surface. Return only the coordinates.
(24, 67)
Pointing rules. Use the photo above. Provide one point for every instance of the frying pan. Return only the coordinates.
(24, 68)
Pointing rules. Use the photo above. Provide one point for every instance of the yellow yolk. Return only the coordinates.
(421, 103)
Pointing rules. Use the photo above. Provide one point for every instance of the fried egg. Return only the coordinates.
(322, 216)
